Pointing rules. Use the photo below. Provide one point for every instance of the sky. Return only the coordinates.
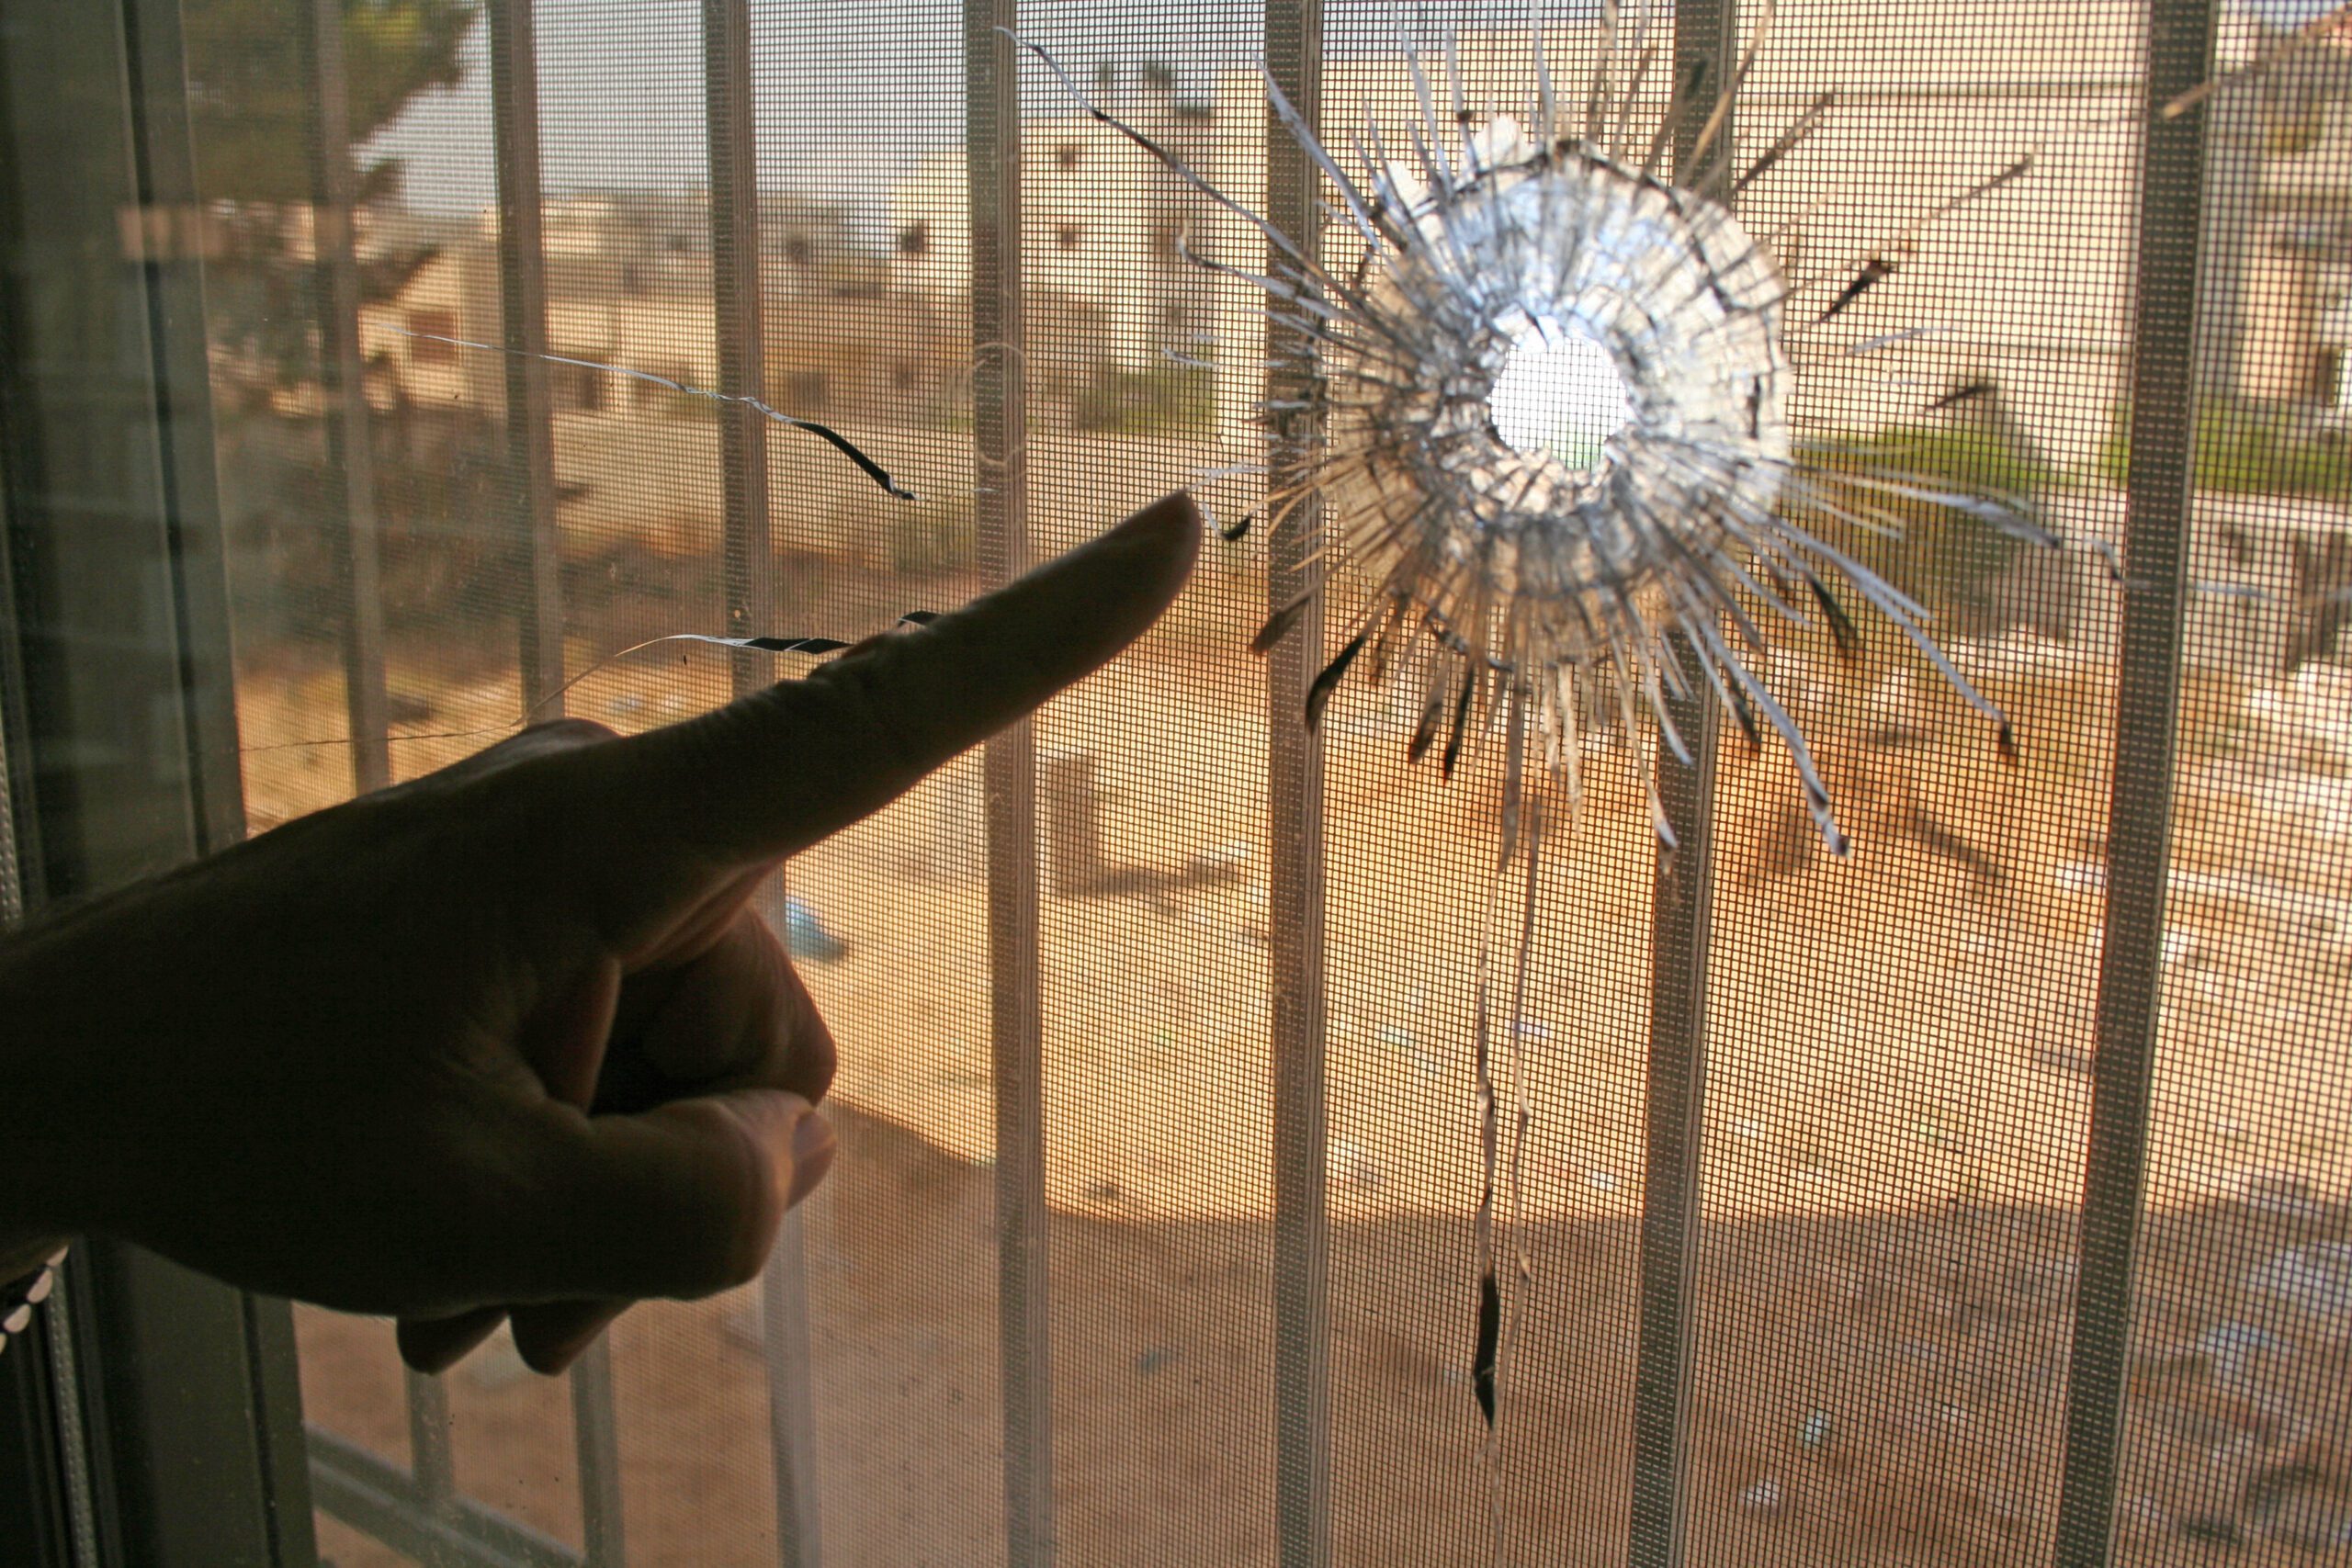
(850, 92)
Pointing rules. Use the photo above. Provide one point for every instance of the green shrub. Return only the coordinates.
(1178, 401)
(2248, 449)
(1946, 558)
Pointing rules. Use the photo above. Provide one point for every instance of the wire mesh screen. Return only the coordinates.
(2236, 1403)
(1972, 1196)
(1899, 1047)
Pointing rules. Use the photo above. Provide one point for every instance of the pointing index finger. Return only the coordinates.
(773, 773)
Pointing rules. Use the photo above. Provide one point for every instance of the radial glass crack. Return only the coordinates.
(1549, 382)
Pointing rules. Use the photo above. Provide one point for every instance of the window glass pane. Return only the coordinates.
(1157, 1227)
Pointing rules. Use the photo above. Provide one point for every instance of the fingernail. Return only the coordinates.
(434, 1344)
(813, 1155)
(559, 1359)
(1172, 511)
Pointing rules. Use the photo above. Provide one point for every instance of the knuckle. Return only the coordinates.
(569, 731)
(694, 762)
(736, 1226)
(809, 1046)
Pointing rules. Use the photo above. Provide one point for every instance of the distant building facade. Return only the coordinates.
(628, 284)
(1106, 286)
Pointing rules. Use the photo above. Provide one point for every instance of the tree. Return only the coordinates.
(254, 124)
(253, 121)
(249, 86)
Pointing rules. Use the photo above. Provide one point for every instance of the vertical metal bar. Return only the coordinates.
(749, 584)
(1683, 895)
(2156, 544)
(1295, 878)
(169, 196)
(432, 1462)
(351, 457)
(530, 444)
(1009, 771)
(749, 564)
(596, 1437)
(1682, 912)
(792, 1417)
(349, 454)
(523, 311)
(278, 1423)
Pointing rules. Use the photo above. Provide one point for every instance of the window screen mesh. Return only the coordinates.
(1900, 1049)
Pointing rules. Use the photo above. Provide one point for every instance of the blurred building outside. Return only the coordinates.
(1126, 336)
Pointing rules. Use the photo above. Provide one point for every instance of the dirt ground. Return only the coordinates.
(1896, 1108)
(1879, 1389)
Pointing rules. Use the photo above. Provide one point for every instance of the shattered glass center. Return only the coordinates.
(1560, 394)
(1593, 396)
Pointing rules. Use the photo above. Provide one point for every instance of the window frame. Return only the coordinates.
(158, 1411)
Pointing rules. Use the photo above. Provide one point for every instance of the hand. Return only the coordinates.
(506, 1039)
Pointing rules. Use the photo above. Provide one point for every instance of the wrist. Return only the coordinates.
(51, 1174)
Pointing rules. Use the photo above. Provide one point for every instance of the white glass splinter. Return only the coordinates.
(1560, 394)
(1590, 439)
(1550, 424)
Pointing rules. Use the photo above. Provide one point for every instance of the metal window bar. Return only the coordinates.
(792, 1420)
(385, 1502)
(2159, 486)
(351, 526)
(350, 456)
(749, 585)
(1706, 41)
(597, 1439)
(429, 1491)
(1295, 874)
(420, 1511)
(1000, 483)
(522, 308)
(749, 568)
(431, 1460)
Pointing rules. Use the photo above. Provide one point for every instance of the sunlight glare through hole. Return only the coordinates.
(1559, 392)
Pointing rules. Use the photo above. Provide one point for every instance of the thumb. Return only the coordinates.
(682, 1200)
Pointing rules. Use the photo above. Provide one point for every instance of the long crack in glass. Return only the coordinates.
(1547, 420)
